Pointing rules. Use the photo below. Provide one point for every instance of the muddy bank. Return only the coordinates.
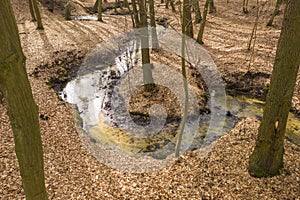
(108, 131)
(62, 70)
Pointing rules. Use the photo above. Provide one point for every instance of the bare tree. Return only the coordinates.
(183, 71)
(155, 44)
(31, 11)
(135, 14)
(100, 11)
(21, 108)
(51, 5)
(212, 8)
(187, 6)
(147, 66)
(276, 11)
(267, 157)
(37, 14)
(245, 6)
(131, 13)
(196, 9)
(171, 2)
(202, 25)
(68, 10)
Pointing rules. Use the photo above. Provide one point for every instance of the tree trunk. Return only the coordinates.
(131, 13)
(95, 7)
(21, 109)
(38, 15)
(100, 11)
(155, 44)
(267, 157)
(31, 11)
(171, 2)
(135, 14)
(51, 5)
(202, 25)
(147, 67)
(116, 5)
(253, 33)
(245, 6)
(196, 8)
(183, 70)
(188, 21)
(276, 11)
(212, 8)
(68, 10)
(120, 4)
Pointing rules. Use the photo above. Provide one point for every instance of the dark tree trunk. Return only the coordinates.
(212, 8)
(187, 6)
(267, 157)
(245, 6)
(155, 44)
(147, 67)
(33, 18)
(21, 108)
(171, 2)
(51, 5)
(95, 7)
(276, 11)
(38, 15)
(185, 85)
(68, 11)
(131, 13)
(100, 11)
(196, 9)
(201, 29)
(135, 14)
(116, 5)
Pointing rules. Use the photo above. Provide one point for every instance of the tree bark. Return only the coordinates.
(135, 14)
(267, 157)
(197, 11)
(51, 5)
(38, 15)
(131, 13)
(116, 5)
(31, 11)
(95, 7)
(147, 67)
(68, 10)
(100, 11)
(245, 6)
(253, 33)
(202, 25)
(212, 8)
(171, 2)
(21, 108)
(185, 86)
(154, 40)
(188, 21)
(276, 11)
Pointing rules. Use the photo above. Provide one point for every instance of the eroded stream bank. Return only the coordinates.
(97, 84)
(95, 117)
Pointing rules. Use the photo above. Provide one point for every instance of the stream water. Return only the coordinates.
(93, 90)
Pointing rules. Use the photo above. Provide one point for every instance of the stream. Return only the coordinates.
(101, 115)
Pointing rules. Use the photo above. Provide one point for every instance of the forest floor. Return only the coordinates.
(72, 173)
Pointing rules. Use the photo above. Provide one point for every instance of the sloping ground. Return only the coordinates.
(72, 173)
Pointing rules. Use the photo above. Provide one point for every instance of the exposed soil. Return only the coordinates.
(249, 84)
(60, 71)
(72, 173)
